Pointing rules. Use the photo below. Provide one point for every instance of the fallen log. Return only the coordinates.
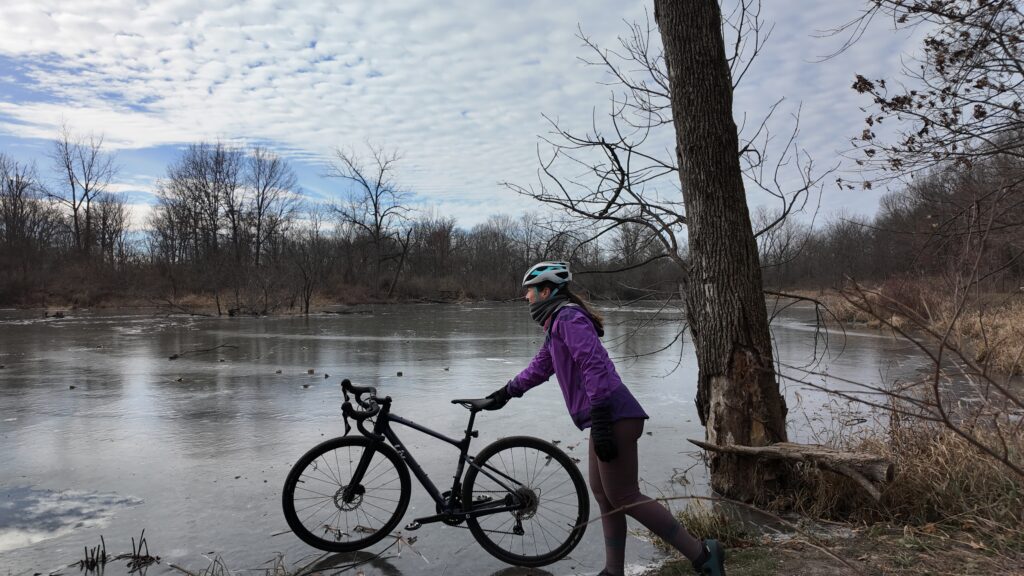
(867, 470)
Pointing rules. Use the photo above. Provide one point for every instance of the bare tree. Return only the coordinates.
(272, 187)
(18, 186)
(375, 206)
(112, 218)
(434, 245)
(201, 199)
(29, 226)
(309, 252)
(224, 167)
(85, 172)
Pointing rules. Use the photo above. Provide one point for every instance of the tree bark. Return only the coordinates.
(738, 397)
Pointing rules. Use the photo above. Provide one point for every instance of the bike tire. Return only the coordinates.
(313, 503)
(554, 522)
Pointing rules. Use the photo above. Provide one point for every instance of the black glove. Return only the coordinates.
(499, 398)
(601, 433)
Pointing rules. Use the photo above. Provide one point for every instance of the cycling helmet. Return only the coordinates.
(555, 272)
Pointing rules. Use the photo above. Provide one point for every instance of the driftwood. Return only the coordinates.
(867, 470)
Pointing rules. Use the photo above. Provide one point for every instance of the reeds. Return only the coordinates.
(96, 558)
(942, 484)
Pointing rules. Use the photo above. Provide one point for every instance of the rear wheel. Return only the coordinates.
(547, 494)
(327, 510)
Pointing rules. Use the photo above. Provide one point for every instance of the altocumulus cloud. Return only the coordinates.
(458, 87)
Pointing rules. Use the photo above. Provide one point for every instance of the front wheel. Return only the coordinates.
(543, 501)
(328, 510)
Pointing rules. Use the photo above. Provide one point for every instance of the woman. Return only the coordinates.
(597, 398)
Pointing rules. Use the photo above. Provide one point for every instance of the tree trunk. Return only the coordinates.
(401, 262)
(737, 393)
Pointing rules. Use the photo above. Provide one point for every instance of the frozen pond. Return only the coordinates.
(100, 433)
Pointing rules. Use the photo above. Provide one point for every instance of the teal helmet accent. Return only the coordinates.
(555, 272)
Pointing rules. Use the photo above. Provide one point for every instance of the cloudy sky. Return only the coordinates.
(459, 88)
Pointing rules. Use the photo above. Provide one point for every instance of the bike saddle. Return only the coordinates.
(474, 404)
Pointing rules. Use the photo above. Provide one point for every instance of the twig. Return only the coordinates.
(200, 351)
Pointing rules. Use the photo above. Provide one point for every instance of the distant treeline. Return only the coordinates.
(231, 232)
(958, 217)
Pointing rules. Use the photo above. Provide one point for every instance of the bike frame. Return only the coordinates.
(382, 431)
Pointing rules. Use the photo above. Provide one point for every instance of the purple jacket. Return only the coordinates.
(574, 354)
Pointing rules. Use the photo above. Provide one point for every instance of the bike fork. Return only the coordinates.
(355, 487)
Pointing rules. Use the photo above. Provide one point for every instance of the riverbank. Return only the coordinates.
(986, 328)
(881, 550)
(948, 510)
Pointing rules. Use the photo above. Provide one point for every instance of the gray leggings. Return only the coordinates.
(615, 485)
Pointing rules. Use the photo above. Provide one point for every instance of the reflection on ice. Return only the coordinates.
(28, 516)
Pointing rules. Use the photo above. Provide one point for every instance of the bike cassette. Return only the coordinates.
(528, 500)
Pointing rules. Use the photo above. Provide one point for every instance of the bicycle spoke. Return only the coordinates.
(297, 510)
(365, 496)
(377, 507)
(546, 532)
(536, 469)
(329, 523)
(337, 478)
(324, 478)
(553, 472)
(365, 513)
(543, 533)
(338, 464)
(533, 534)
(383, 472)
(313, 492)
(378, 476)
(572, 521)
(560, 514)
(315, 511)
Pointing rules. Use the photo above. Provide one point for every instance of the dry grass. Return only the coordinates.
(943, 486)
(844, 311)
(995, 334)
(706, 520)
(988, 329)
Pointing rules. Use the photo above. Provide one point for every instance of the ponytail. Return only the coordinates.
(595, 317)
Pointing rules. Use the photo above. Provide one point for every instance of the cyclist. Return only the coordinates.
(597, 399)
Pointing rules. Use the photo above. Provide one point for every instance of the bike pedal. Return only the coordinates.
(413, 526)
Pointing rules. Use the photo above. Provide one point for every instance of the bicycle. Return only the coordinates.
(523, 499)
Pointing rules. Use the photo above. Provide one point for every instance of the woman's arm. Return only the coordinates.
(538, 372)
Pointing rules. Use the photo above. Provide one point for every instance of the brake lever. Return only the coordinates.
(348, 427)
